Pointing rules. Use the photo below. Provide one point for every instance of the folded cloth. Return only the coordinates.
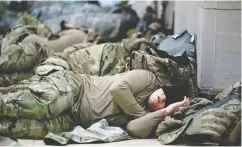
(98, 132)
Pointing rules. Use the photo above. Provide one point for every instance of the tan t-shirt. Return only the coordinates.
(118, 98)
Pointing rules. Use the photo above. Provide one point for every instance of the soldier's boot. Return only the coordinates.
(29, 128)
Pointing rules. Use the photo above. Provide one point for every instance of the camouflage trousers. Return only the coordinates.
(39, 105)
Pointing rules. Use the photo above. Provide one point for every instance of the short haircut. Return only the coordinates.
(175, 93)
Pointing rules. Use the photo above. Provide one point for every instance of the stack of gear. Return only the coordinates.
(167, 65)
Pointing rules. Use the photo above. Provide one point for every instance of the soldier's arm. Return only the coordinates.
(130, 84)
(142, 127)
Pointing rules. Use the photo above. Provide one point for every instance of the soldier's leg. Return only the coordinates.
(29, 128)
(43, 99)
(22, 85)
(11, 79)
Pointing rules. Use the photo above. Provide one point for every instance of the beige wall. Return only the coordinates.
(218, 28)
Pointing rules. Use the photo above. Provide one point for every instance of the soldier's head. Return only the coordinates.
(157, 99)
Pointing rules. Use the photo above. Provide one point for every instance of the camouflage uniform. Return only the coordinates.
(103, 59)
(99, 60)
(39, 105)
(30, 54)
(17, 34)
(18, 59)
(21, 51)
(42, 29)
(18, 62)
(32, 104)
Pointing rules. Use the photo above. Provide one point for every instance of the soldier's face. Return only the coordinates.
(157, 99)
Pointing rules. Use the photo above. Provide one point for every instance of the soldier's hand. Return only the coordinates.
(172, 107)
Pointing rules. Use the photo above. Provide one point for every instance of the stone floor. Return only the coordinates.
(136, 142)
